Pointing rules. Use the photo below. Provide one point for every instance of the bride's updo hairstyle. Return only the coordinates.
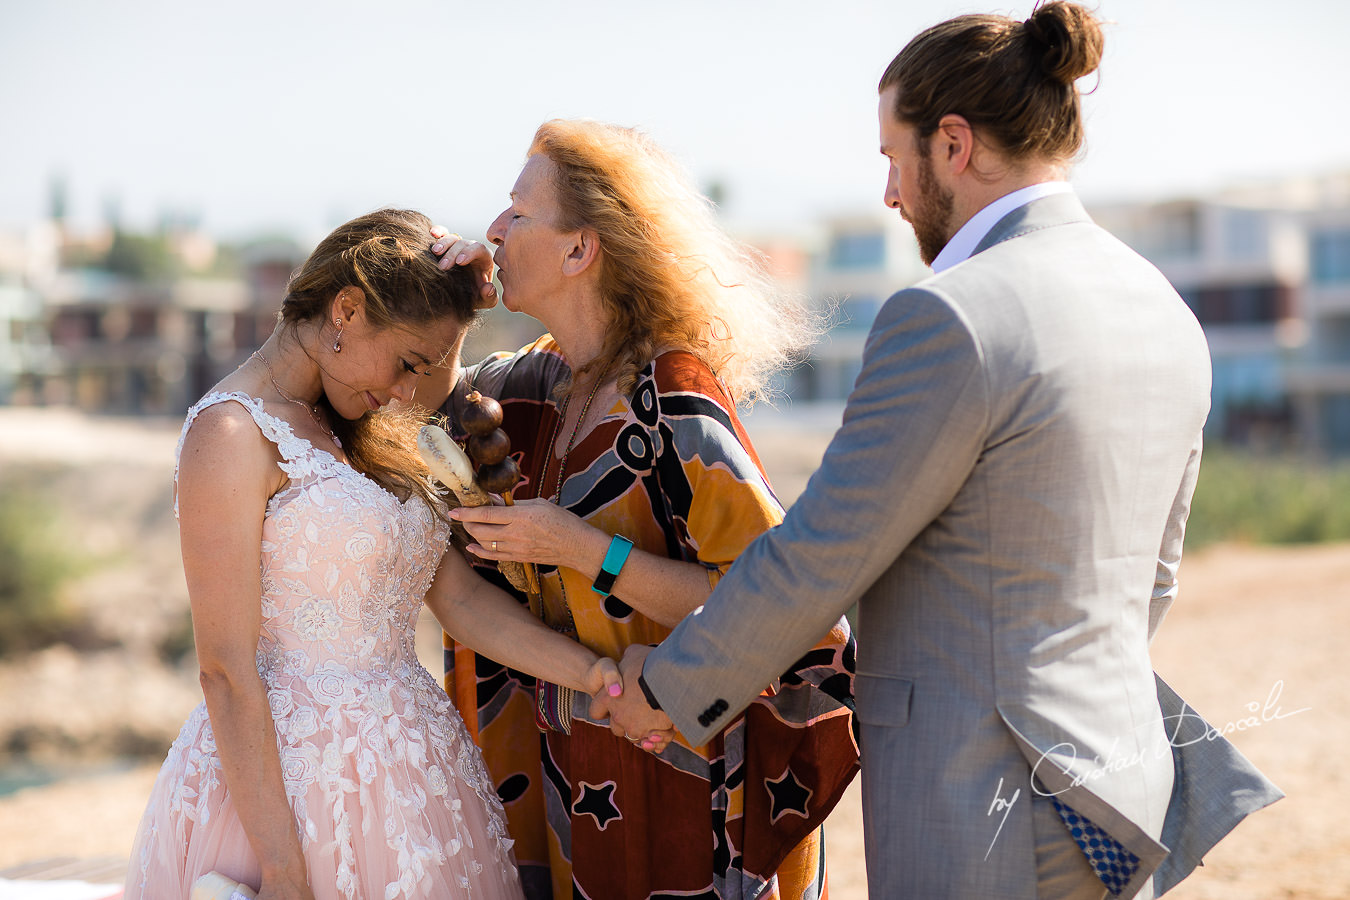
(387, 255)
(1014, 82)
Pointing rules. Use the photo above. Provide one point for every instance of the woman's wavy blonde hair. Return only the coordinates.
(671, 277)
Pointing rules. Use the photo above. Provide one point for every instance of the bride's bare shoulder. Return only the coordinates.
(225, 437)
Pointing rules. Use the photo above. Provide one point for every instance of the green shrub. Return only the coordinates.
(1268, 500)
(33, 564)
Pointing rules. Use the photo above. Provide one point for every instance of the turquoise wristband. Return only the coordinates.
(615, 557)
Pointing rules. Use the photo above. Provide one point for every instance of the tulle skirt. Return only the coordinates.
(389, 803)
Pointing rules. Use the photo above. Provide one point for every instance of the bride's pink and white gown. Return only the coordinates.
(390, 795)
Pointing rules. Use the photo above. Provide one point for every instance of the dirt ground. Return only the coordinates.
(1254, 643)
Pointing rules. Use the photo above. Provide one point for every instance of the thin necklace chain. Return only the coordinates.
(307, 407)
(571, 441)
(571, 625)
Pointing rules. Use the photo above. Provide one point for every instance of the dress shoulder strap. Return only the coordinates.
(296, 452)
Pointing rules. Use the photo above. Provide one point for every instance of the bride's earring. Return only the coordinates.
(337, 341)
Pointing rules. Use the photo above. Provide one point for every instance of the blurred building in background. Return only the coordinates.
(1266, 269)
(1319, 378)
(25, 347)
(119, 323)
(128, 324)
(1240, 269)
(858, 261)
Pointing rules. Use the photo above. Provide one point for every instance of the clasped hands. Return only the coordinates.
(629, 714)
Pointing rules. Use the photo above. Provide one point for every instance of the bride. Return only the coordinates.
(325, 761)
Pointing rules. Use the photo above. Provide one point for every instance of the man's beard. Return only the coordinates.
(932, 215)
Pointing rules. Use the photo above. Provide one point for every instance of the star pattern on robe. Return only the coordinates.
(787, 795)
(597, 801)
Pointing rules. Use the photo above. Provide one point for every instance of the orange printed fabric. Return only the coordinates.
(672, 469)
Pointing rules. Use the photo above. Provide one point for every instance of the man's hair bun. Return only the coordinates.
(1069, 37)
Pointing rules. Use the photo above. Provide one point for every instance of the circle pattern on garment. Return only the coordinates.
(1114, 865)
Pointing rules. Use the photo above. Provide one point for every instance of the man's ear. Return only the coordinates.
(583, 252)
(953, 143)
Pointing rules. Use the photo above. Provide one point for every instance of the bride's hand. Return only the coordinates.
(657, 741)
(603, 679)
(456, 251)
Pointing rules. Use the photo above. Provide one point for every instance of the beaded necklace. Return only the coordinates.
(309, 408)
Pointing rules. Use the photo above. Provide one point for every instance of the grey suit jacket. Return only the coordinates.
(1005, 501)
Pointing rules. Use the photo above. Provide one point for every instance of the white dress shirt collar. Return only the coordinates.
(964, 242)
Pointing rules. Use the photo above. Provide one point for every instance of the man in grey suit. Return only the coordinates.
(1005, 501)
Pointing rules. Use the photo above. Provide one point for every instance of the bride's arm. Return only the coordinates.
(226, 473)
(484, 617)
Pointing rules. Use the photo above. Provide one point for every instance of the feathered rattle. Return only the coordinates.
(497, 471)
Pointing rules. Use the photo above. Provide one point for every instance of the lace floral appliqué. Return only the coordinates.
(370, 747)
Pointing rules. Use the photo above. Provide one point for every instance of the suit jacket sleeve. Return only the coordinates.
(913, 429)
(1169, 555)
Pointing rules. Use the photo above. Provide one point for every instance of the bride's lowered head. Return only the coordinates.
(365, 318)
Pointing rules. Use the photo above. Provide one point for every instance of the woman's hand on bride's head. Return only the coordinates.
(457, 251)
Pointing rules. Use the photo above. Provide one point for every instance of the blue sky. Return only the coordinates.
(292, 115)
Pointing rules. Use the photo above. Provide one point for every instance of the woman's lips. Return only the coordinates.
(371, 401)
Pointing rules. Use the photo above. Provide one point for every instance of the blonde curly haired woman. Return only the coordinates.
(641, 489)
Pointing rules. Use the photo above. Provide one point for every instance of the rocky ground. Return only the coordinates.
(1254, 644)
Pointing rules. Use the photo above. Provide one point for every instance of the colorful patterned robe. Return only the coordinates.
(672, 469)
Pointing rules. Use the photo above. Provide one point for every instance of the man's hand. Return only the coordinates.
(456, 251)
(630, 715)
